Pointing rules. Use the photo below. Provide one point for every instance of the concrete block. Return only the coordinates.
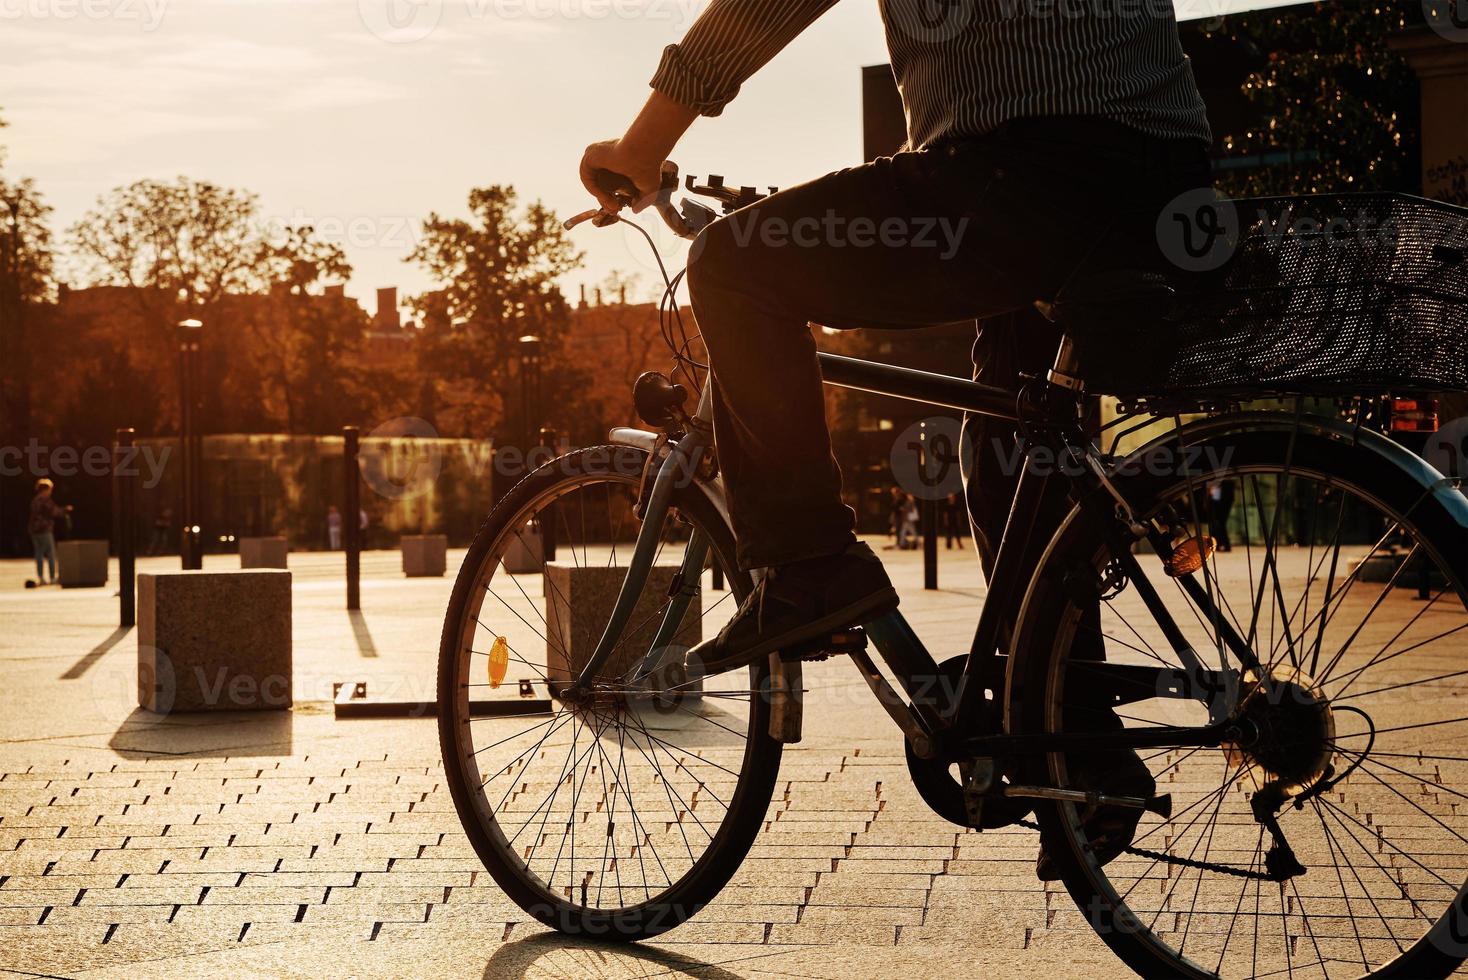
(526, 552)
(578, 603)
(425, 555)
(264, 552)
(81, 564)
(214, 641)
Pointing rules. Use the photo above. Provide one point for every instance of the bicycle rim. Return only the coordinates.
(622, 815)
(1362, 720)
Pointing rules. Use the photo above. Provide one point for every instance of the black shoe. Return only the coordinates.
(1110, 829)
(798, 602)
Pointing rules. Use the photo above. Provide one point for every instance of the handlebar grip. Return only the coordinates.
(615, 185)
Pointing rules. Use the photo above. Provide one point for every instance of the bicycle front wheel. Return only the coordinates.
(1345, 580)
(621, 814)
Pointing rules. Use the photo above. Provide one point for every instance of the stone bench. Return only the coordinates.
(425, 555)
(81, 564)
(578, 603)
(214, 641)
(264, 552)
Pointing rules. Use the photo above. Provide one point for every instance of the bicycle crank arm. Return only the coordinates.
(896, 707)
(1160, 804)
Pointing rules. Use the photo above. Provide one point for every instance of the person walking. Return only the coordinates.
(1220, 505)
(907, 538)
(162, 526)
(42, 527)
(894, 516)
(333, 528)
(955, 520)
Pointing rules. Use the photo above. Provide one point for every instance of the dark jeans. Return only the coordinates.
(44, 546)
(956, 232)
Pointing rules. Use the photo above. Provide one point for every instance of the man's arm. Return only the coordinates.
(728, 43)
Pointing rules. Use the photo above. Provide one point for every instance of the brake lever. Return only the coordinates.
(684, 225)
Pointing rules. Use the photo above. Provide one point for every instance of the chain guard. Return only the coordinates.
(938, 782)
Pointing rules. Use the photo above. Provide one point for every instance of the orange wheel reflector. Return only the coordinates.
(499, 661)
(1189, 556)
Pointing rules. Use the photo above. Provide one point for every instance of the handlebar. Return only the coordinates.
(686, 220)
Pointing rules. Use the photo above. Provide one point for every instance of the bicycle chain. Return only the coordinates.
(1226, 869)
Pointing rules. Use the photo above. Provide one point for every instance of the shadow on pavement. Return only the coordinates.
(96, 653)
(554, 955)
(362, 634)
(144, 735)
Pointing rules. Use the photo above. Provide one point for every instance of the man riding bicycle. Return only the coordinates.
(1045, 138)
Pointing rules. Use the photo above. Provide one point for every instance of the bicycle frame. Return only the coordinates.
(928, 719)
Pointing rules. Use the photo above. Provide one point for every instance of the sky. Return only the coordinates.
(360, 117)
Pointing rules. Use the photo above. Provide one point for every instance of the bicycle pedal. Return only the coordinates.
(833, 644)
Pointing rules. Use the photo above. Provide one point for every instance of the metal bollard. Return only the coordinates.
(124, 482)
(930, 544)
(351, 514)
(547, 438)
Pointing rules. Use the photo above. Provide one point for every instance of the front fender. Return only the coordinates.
(1447, 490)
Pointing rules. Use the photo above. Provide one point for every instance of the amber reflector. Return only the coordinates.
(1188, 556)
(499, 661)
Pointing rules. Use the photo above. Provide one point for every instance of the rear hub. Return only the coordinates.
(1284, 732)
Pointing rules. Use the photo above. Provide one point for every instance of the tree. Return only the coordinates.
(303, 342)
(181, 246)
(1331, 93)
(497, 273)
(26, 268)
(188, 241)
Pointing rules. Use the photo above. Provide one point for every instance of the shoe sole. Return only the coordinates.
(870, 606)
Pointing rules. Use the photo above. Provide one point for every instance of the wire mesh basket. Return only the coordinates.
(1322, 294)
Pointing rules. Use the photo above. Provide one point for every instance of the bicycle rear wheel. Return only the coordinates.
(1347, 584)
(622, 814)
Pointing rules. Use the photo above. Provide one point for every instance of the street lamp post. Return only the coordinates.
(529, 388)
(191, 498)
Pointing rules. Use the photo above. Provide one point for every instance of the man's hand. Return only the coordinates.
(613, 155)
(639, 155)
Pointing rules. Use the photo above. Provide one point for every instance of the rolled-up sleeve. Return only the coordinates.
(730, 41)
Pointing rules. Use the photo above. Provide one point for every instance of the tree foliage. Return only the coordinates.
(25, 280)
(496, 273)
(185, 240)
(304, 344)
(1331, 95)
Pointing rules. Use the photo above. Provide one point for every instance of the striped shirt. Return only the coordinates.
(964, 67)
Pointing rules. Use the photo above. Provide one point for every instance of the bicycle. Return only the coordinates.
(1310, 809)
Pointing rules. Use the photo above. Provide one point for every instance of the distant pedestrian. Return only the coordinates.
(42, 527)
(955, 520)
(333, 528)
(894, 517)
(907, 536)
(1220, 505)
(162, 532)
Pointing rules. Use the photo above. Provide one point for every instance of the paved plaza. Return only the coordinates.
(296, 844)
